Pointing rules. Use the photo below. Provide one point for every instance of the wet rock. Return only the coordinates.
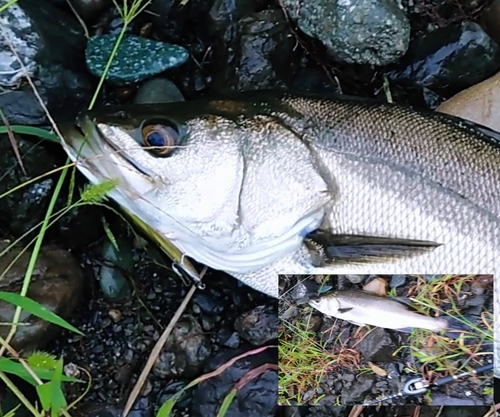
(258, 397)
(454, 57)
(24, 208)
(314, 80)
(158, 90)
(209, 302)
(259, 325)
(479, 103)
(172, 389)
(489, 18)
(254, 53)
(356, 392)
(53, 57)
(113, 283)
(90, 9)
(397, 281)
(57, 284)
(226, 12)
(377, 346)
(137, 58)
(373, 32)
(185, 352)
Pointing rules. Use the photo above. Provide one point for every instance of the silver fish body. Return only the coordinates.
(254, 174)
(362, 308)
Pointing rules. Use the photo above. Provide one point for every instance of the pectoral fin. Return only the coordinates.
(344, 310)
(360, 248)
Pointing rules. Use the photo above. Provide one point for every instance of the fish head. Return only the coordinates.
(213, 176)
(327, 304)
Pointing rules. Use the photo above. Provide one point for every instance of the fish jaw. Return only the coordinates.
(328, 305)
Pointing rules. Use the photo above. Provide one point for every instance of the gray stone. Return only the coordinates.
(185, 351)
(50, 44)
(57, 284)
(158, 90)
(363, 31)
(136, 59)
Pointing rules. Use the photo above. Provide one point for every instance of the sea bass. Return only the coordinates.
(268, 182)
(362, 308)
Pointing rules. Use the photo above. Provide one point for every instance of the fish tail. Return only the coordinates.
(456, 326)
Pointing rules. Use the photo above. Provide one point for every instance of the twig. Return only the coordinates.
(13, 142)
(157, 349)
(356, 411)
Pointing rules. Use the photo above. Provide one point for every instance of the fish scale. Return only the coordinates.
(258, 171)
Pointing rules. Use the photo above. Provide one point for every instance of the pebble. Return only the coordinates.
(185, 352)
(158, 90)
(259, 325)
(479, 103)
(114, 285)
(137, 58)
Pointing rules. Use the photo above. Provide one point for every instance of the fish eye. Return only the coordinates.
(160, 138)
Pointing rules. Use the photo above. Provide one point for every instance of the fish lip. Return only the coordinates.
(93, 136)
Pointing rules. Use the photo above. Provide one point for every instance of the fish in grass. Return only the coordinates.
(364, 308)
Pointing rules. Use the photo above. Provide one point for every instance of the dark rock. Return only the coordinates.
(226, 12)
(356, 393)
(397, 281)
(209, 302)
(257, 397)
(377, 346)
(373, 32)
(136, 59)
(158, 90)
(25, 207)
(57, 284)
(454, 57)
(185, 351)
(172, 389)
(254, 53)
(314, 80)
(90, 9)
(259, 325)
(52, 53)
(489, 20)
(117, 262)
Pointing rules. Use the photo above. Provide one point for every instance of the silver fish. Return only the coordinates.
(243, 184)
(362, 308)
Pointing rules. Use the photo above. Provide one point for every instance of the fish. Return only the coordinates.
(276, 182)
(364, 308)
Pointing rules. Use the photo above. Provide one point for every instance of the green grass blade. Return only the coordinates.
(12, 367)
(37, 309)
(32, 131)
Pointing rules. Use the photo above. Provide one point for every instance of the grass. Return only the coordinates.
(307, 359)
(44, 371)
(50, 394)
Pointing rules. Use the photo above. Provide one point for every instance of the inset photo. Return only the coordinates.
(386, 340)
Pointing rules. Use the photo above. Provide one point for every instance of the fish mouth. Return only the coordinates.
(91, 146)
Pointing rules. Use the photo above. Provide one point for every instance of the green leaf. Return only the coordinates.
(227, 402)
(110, 234)
(12, 367)
(33, 131)
(51, 394)
(167, 407)
(37, 309)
